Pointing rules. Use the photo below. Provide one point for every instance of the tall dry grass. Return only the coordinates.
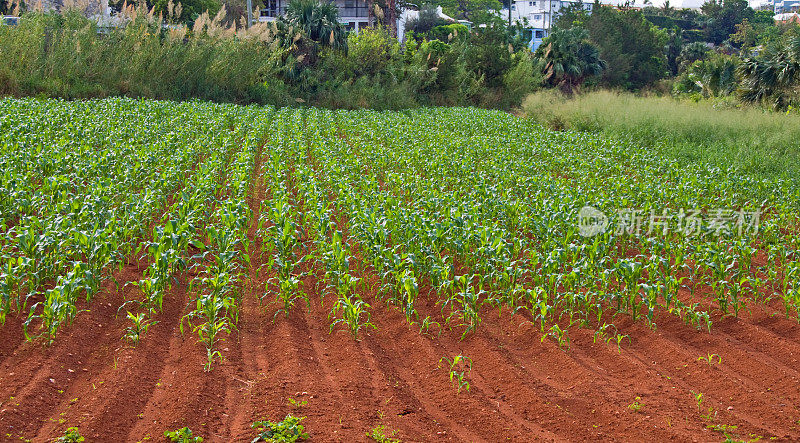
(67, 55)
(749, 138)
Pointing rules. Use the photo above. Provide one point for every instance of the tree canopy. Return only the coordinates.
(569, 58)
(632, 47)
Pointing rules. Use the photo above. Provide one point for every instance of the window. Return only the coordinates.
(539, 34)
(537, 17)
(272, 9)
(527, 35)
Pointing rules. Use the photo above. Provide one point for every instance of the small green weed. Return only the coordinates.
(287, 431)
(378, 433)
(182, 435)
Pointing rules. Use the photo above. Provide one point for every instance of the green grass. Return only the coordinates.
(750, 139)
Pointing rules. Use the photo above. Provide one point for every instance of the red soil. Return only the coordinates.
(521, 389)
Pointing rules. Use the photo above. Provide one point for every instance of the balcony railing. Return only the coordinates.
(273, 12)
(352, 11)
(358, 11)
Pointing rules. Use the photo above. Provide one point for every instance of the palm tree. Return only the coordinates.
(667, 9)
(319, 20)
(714, 77)
(772, 76)
(569, 59)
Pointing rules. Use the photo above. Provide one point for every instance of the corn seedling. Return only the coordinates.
(426, 324)
(710, 359)
(561, 337)
(139, 327)
(216, 312)
(353, 313)
(637, 405)
(459, 369)
(698, 399)
(604, 334)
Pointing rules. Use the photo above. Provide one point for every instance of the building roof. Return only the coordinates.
(787, 17)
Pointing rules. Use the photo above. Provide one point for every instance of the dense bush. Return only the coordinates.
(64, 56)
(772, 76)
(713, 77)
(449, 32)
(569, 59)
(631, 46)
(282, 63)
(427, 19)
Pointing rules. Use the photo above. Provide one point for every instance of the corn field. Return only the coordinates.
(476, 210)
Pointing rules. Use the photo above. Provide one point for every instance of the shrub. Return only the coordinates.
(521, 79)
(372, 51)
(277, 63)
(62, 55)
(449, 32)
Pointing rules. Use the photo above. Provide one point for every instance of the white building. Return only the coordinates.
(539, 16)
(354, 14)
(412, 13)
(786, 6)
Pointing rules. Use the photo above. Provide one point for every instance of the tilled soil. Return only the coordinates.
(520, 388)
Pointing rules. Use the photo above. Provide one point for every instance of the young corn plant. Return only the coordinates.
(691, 315)
(561, 337)
(140, 324)
(353, 314)
(791, 301)
(9, 286)
(509, 283)
(459, 369)
(167, 254)
(216, 313)
(289, 292)
(403, 288)
(59, 305)
(427, 323)
(466, 301)
(336, 258)
(710, 359)
(99, 249)
(605, 334)
(699, 398)
(722, 266)
(630, 272)
(287, 284)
